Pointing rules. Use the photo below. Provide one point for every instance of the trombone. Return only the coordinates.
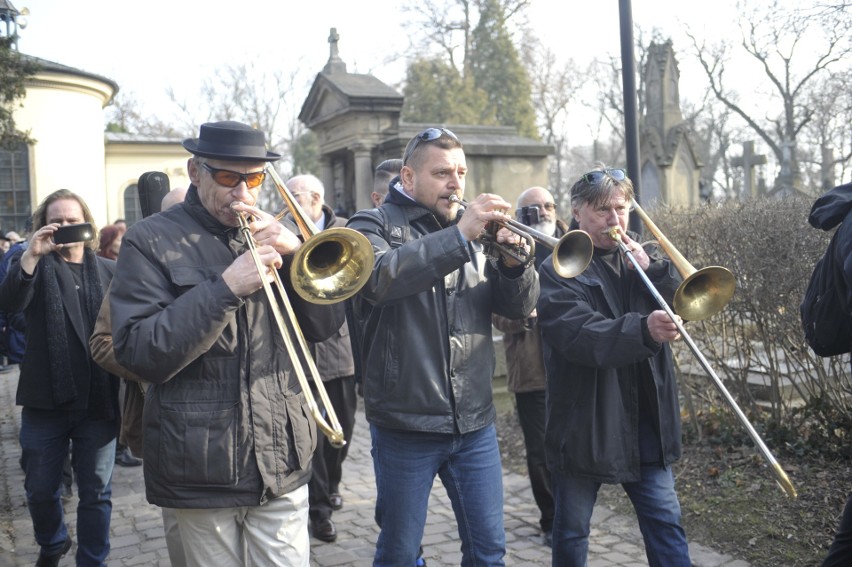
(571, 253)
(703, 292)
(698, 288)
(329, 267)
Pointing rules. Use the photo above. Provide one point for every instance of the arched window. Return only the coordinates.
(15, 201)
(132, 209)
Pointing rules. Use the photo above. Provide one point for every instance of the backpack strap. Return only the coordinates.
(397, 230)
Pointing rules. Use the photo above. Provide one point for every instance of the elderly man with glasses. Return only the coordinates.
(227, 434)
(524, 363)
(427, 355)
(612, 400)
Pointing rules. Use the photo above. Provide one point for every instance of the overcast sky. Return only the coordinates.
(147, 46)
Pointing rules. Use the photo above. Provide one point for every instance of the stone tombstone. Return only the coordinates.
(356, 119)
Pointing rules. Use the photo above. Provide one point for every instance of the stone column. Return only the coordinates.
(363, 177)
(326, 175)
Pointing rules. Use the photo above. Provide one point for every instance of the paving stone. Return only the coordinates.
(137, 537)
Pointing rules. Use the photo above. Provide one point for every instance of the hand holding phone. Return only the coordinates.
(71, 233)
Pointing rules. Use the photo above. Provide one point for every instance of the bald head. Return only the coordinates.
(172, 198)
(534, 196)
(540, 198)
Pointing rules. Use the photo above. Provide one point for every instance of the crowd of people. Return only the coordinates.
(154, 346)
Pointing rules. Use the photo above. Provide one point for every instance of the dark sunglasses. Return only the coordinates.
(595, 177)
(427, 135)
(228, 178)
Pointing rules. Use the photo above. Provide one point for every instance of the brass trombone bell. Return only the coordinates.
(703, 292)
(332, 264)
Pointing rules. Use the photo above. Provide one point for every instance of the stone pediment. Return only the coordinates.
(336, 94)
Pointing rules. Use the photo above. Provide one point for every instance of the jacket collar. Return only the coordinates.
(192, 204)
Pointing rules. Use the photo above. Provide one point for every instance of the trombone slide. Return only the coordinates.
(781, 477)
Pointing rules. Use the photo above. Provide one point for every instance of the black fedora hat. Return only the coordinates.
(230, 140)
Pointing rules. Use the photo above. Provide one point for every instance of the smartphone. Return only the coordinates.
(69, 233)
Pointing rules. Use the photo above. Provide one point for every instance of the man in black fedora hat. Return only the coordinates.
(227, 434)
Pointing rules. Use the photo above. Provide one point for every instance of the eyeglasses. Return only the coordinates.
(595, 177)
(427, 135)
(548, 206)
(228, 178)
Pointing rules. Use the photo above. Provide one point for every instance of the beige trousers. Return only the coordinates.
(274, 534)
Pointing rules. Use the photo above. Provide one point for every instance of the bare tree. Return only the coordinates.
(794, 49)
(448, 25)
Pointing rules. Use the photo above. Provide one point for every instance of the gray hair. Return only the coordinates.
(600, 193)
(307, 182)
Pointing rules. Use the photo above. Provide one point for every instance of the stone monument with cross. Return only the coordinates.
(357, 122)
(748, 161)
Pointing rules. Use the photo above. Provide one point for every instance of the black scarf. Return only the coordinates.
(61, 371)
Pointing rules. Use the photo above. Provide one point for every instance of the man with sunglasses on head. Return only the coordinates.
(524, 362)
(427, 355)
(228, 437)
(612, 399)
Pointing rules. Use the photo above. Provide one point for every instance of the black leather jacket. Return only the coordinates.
(427, 356)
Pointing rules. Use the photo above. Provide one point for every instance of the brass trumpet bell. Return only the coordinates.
(332, 265)
(572, 253)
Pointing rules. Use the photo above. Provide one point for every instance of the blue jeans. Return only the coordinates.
(406, 463)
(657, 509)
(44, 446)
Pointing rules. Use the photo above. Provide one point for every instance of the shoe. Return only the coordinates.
(324, 530)
(126, 459)
(336, 501)
(547, 539)
(420, 562)
(53, 560)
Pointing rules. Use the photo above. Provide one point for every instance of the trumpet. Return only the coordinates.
(571, 253)
(781, 477)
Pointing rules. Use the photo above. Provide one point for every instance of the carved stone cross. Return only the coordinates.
(748, 161)
(332, 41)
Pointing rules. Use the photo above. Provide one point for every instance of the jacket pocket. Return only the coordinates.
(302, 433)
(197, 448)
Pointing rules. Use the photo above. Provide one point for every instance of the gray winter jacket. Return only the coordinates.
(225, 420)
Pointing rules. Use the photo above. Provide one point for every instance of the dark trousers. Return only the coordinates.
(327, 463)
(531, 414)
(840, 553)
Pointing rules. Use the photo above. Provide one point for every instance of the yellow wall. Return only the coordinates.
(126, 161)
(64, 114)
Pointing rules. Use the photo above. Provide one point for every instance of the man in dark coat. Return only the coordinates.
(612, 403)
(524, 360)
(831, 209)
(427, 356)
(336, 368)
(64, 394)
(228, 436)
